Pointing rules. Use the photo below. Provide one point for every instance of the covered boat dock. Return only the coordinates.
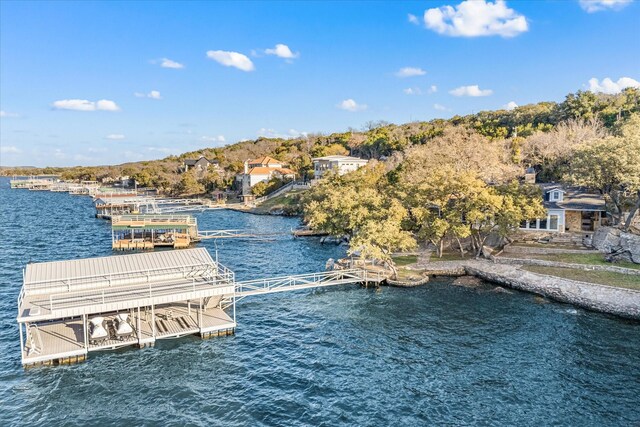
(67, 309)
(141, 232)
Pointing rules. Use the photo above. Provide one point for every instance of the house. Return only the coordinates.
(200, 166)
(569, 209)
(341, 164)
(262, 170)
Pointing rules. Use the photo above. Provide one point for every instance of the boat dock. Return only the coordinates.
(144, 232)
(68, 309)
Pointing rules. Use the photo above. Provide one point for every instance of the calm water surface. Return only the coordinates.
(435, 355)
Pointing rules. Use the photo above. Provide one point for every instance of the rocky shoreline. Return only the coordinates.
(617, 301)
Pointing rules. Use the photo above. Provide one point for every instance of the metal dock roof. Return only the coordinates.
(69, 288)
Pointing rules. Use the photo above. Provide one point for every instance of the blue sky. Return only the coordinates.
(341, 65)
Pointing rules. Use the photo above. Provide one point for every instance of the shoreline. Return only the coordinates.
(620, 302)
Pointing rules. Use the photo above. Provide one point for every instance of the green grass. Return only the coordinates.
(288, 200)
(550, 245)
(599, 277)
(403, 260)
(587, 259)
(451, 256)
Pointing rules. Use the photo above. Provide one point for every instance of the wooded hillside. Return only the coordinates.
(539, 135)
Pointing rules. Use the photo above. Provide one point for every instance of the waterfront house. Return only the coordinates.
(569, 209)
(262, 170)
(341, 164)
(200, 166)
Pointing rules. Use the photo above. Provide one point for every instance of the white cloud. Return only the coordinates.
(168, 63)
(164, 150)
(97, 150)
(598, 5)
(84, 105)
(231, 59)
(154, 94)
(82, 158)
(115, 137)
(472, 90)
(8, 114)
(476, 18)
(282, 51)
(440, 107)
(412, 91)
(609, 86)
(59, 154)
(510, 105)
(433, 89)
(219, 138)
(410, 72)
(10, 149)
(272, 133)
(296, 134)
(413, 19)
(351, 105)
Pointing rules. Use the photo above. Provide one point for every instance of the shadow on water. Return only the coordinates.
(434, 355)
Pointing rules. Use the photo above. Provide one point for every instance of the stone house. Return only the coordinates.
(569, 209)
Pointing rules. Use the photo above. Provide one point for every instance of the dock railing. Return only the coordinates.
(300, 281)
(154, 219)
(49, 286)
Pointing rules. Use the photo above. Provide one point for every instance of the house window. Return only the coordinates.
(553, 222)
(523, 224)
(554, 195)
(543, 223)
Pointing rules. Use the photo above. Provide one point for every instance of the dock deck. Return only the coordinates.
(164, 295)
(145, 232)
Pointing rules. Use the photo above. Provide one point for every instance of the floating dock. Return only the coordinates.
(68, 309)
(144, 232)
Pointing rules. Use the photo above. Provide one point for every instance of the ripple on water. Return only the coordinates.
(435, 355)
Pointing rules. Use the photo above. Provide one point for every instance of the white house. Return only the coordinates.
(342, 164)
(569, 209)
(262, 170)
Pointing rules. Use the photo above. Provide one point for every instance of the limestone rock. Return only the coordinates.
(468, 281)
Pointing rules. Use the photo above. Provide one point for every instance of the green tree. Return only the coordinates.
(612, 166)
(188, 185)
(358, 205)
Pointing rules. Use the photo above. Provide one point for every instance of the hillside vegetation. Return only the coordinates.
(540, 135)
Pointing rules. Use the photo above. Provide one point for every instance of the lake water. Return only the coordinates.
(434, 355)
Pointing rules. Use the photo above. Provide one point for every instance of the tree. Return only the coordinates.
(580, 105)
(551, 152)
(446, 202)
(359, 206)
(188, 184)
(212, 181)
(612, 166)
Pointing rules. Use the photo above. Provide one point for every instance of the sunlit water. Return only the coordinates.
(434, 355)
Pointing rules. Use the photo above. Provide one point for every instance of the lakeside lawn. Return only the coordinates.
(587, 259)
(590, 276)
(404, 260)
(287, 201)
